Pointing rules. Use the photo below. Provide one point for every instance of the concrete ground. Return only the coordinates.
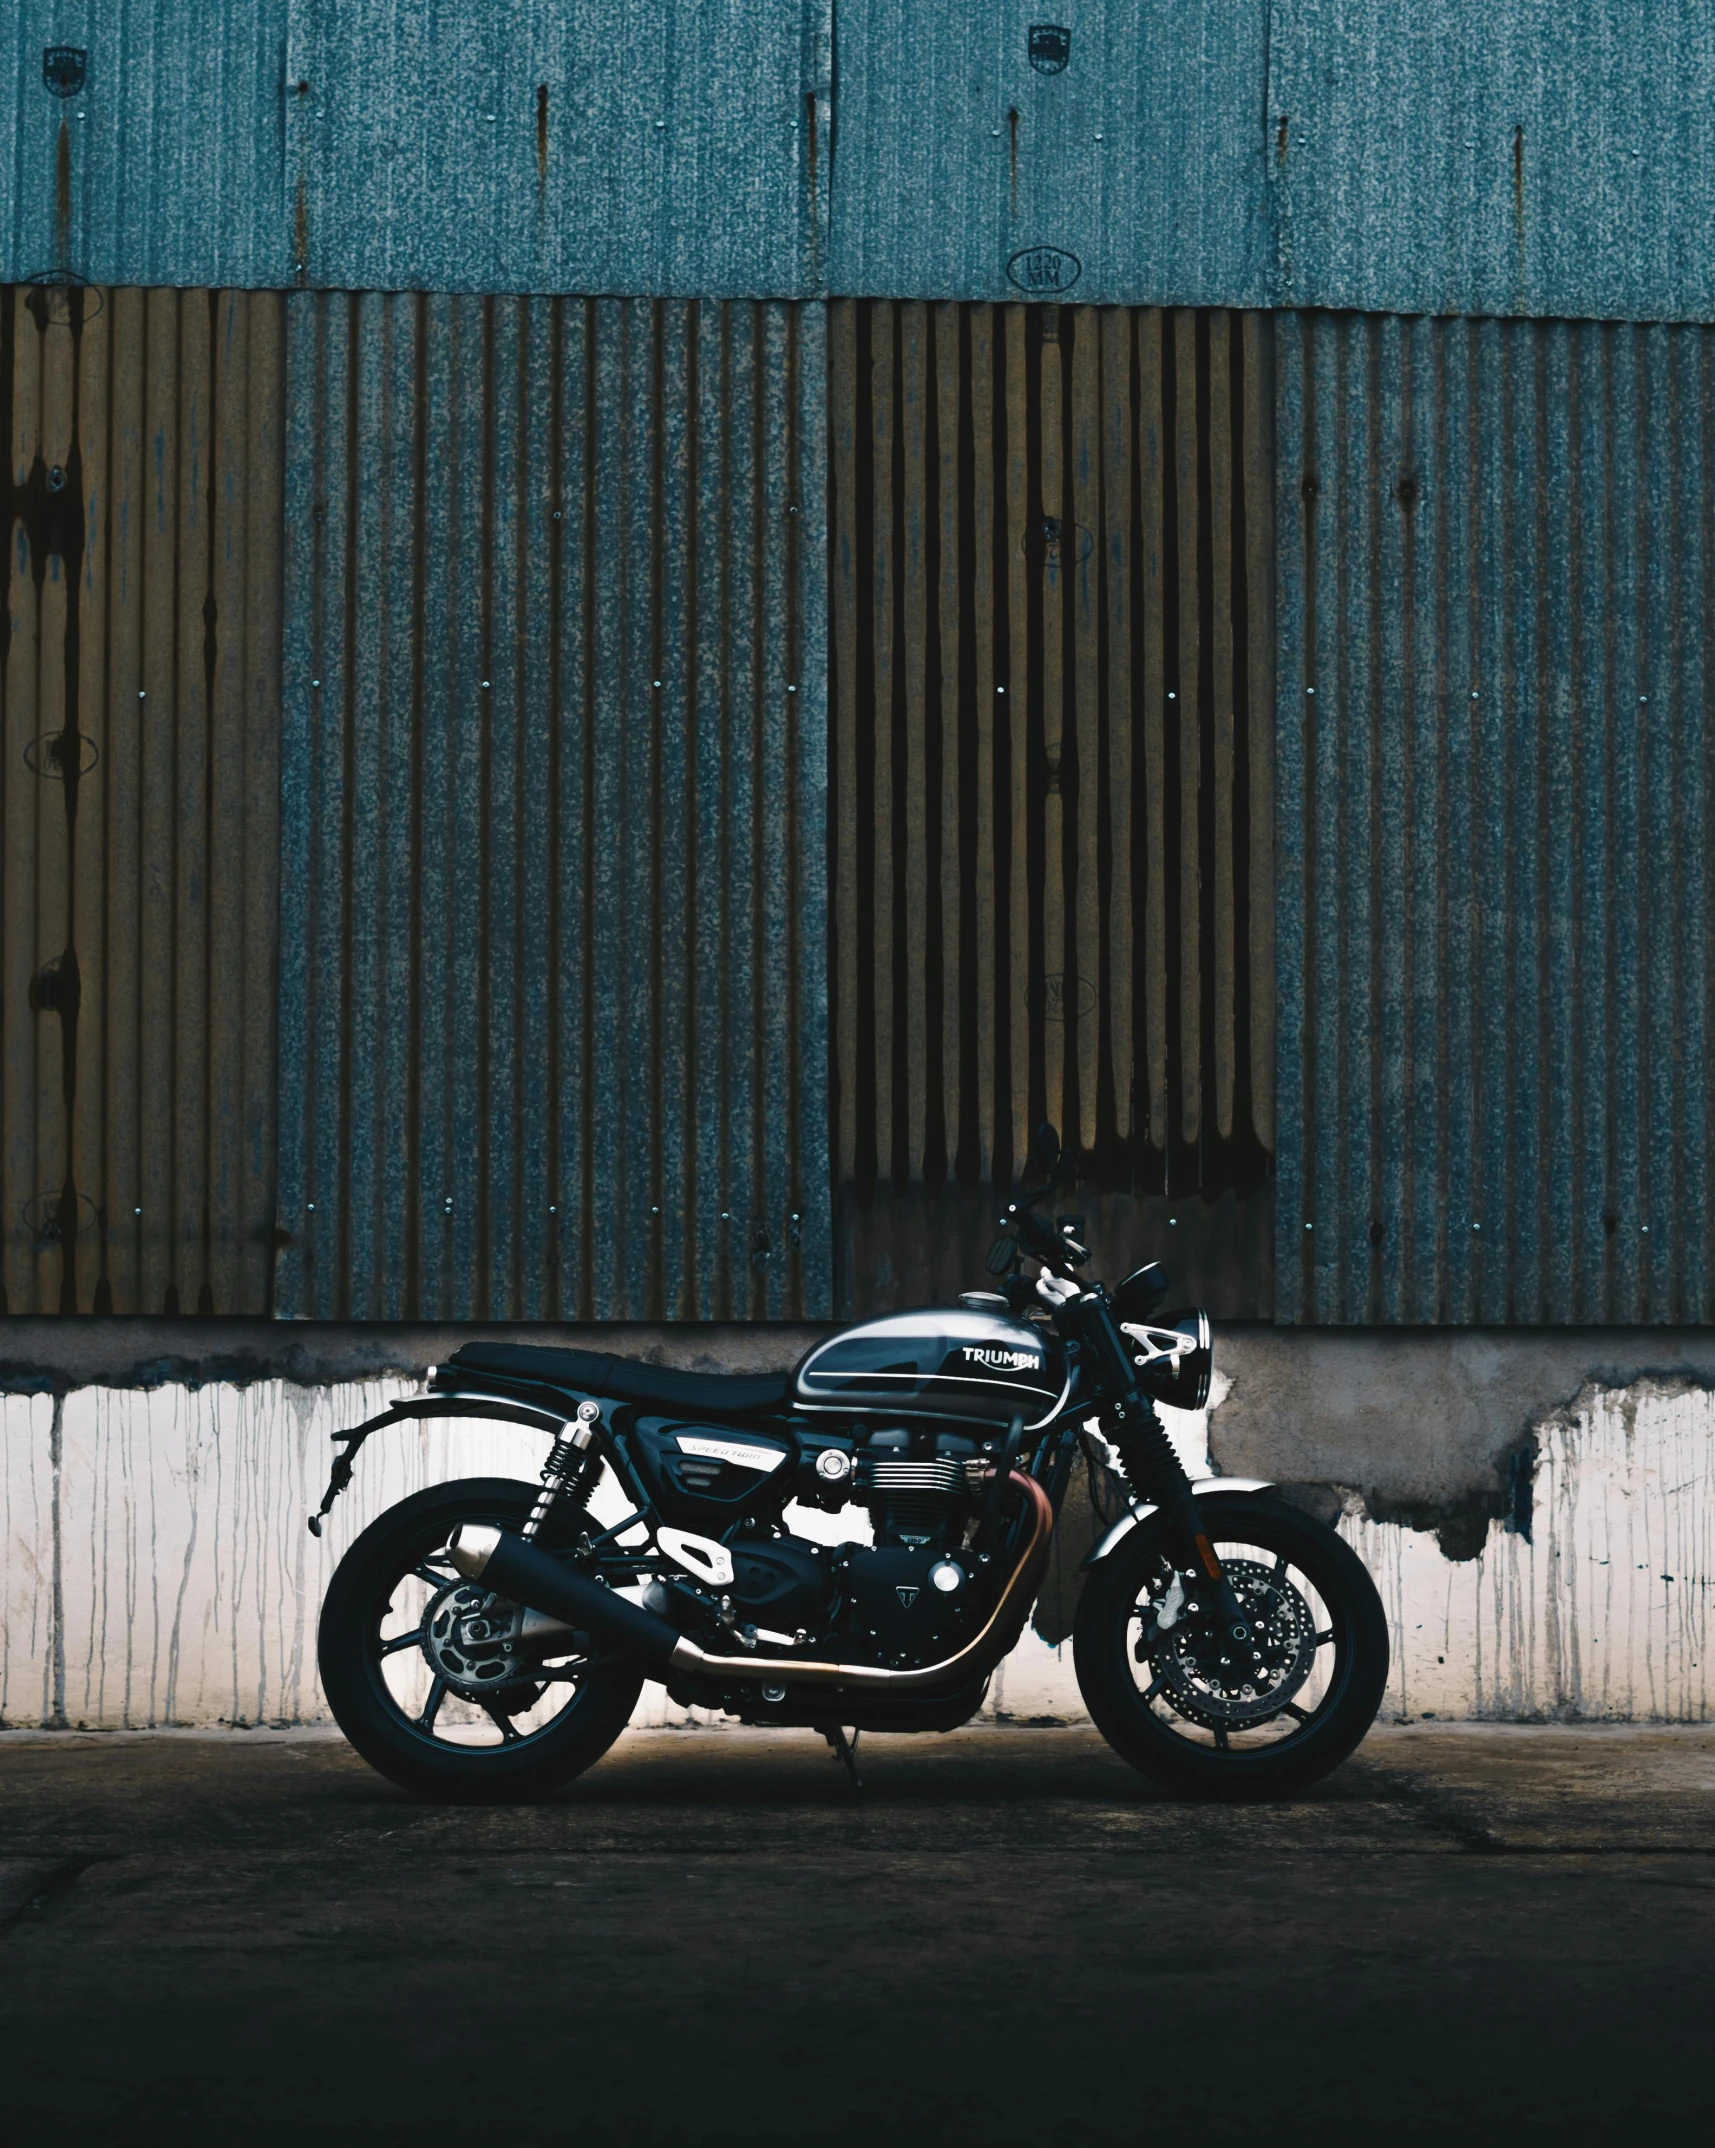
(1466, 1935)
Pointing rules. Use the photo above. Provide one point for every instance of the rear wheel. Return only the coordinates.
(417, 1669)
(1208, 1717)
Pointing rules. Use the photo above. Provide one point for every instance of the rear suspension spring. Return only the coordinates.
(571, 1470)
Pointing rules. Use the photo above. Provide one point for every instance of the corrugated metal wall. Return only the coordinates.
(1439, 157)
(553, 990)
(139, 692)
(1447, 156)
(1114, 155)
(164, 166)
(1053, 739)
(1497, 881)
(658, 146)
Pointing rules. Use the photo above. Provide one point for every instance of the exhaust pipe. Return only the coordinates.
(517, 1569)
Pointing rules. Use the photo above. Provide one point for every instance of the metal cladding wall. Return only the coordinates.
(1053, 818)
(163, 166)
(139, 698)
(1424, 156)
(670, 146)
(1446, 156)
(1115, 158)
(1497, 879)
(553, 994)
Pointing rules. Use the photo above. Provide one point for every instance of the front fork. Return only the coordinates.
(1156, 1473)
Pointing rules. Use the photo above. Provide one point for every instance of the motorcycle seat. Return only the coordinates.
(621, 1379)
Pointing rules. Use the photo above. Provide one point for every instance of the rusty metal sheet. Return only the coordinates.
(558, 145)
(143, 143)
(1494, 727)
(553, 975)
(139, 690)
(1441, 157)
(1112, 156)
(1037, 911)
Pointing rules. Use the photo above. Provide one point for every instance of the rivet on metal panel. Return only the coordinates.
(315, 682)
(655, 1211)
(1310, 1226)
(141, 695)
(552, 1210)
(485, 686)
(311, 1206)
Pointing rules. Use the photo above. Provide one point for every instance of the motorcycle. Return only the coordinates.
(487, 1639)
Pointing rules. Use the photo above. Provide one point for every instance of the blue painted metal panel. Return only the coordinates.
(1440, 156)
(1495, 726)
(1132, 174)
(164, 167)
(559, 145)
(554, 912)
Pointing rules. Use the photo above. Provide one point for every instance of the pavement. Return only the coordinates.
(1467, 1934)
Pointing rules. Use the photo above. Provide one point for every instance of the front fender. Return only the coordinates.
(1199, 1489)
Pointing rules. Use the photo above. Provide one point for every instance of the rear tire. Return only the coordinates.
(1263, 1537)
(368, 1710)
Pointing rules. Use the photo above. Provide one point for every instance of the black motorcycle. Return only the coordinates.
(487, 1639)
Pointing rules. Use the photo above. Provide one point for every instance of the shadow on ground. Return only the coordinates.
(712, 1939)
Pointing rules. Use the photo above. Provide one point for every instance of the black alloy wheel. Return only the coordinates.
(1210, 1717)
(416, 1668)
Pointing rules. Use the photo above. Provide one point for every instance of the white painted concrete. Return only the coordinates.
(157, 1569)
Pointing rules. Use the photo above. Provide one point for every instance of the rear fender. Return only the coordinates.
(409, 1406)
(1201, 1488)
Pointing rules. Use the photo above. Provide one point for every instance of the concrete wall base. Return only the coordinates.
(1538, 1507)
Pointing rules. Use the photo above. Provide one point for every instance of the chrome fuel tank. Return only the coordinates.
(939, 1361)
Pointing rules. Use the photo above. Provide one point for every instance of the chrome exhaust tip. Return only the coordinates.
(470, 1547)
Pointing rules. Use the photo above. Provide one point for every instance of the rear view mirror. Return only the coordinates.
(1001, 1255)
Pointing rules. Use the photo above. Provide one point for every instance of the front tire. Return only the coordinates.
(381, 1680)
(1209, 1725)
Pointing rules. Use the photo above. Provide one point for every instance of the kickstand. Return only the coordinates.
(846, 1753)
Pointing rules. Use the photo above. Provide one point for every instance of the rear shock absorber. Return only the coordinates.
(571, 1470)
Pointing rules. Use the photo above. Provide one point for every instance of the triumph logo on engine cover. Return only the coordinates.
(907, 1597)
(1003, 1360)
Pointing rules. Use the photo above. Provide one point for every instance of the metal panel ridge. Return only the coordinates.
(553, 991)
(1494, 726)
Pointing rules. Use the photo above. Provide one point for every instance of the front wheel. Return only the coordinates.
(428, 1678)
(1211, 1718)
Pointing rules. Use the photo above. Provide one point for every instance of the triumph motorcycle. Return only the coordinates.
(488, 1639)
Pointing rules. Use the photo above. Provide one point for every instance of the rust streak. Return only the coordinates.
(541, 134)
(1012, 129)
(301, 233)
(62, 196)
(1280, 140)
